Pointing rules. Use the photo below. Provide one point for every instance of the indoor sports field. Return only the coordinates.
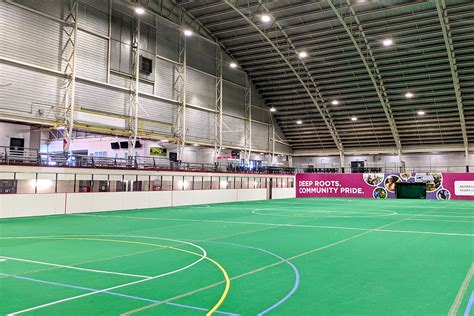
(281, 257)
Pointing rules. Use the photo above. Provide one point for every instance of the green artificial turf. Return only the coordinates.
(282, 257)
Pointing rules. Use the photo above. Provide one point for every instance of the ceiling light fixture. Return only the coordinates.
(353, 118)
(387, 42)
(233, 65)
(272, 109)
(265, 18)
(421, 112)
(188, 32)
(335, 102)
(302, 54)
(139, 10)
(409, 95)
(299, 122)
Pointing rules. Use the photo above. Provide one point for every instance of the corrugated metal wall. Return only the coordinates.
(29, 93)
(260, 139)
(233, 97)
(200, 89)
(37, 42)
(91, 56)
(31, 66)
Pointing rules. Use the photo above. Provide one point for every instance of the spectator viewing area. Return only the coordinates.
(237, 157)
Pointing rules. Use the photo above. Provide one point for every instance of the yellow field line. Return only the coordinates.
(224, 272)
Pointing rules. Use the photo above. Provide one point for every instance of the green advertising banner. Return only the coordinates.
(157, 151)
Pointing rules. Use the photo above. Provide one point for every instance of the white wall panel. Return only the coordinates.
(282, 148)
(233, 131)
(36, 42)
(119, 80)
(30, 93)
(94, 16)
(158, 111)
(145, 87)
(283, 193)
(259, 136)
(22, 205)
(165, 75)
(201, 54)
(251, 194)
(199, 124)
(91, 60)
(111, 201)
(233, 99)
(103, 99)
(203, 197)
(52, 7)
(200, 89)
(166, 39)
(260, 114)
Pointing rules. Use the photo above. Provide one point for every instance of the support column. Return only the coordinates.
(133, 94)
(342, 163)
(467, 160)
(69, 55)
(402, 163)
(180, 90)
(218, 107)
(248, 120)
(273, 142)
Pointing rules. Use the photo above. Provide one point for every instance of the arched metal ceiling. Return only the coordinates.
(432, 57)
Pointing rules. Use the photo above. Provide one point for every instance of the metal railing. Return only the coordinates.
(384, 168)
(32, 157)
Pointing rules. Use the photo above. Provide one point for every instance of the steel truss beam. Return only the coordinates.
(372, 69)
(69, 56)
(180, 90)
(321, 108)
(248, 120)
(133, 106)
(448, 40)
(218, 108)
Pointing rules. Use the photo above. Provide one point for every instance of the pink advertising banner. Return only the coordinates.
(439, 186)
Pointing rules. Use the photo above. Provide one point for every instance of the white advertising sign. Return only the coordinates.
(465, 188)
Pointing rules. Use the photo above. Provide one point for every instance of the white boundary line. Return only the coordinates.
(389, 213)
(75, 268)
(283, 225)
(453, 216)
(401, 206)
(447, 213)
(462, 290)
(440, 220)
(204, 255)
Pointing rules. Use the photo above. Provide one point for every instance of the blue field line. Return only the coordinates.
(116, 294)
(467, 312)
(297, 274)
